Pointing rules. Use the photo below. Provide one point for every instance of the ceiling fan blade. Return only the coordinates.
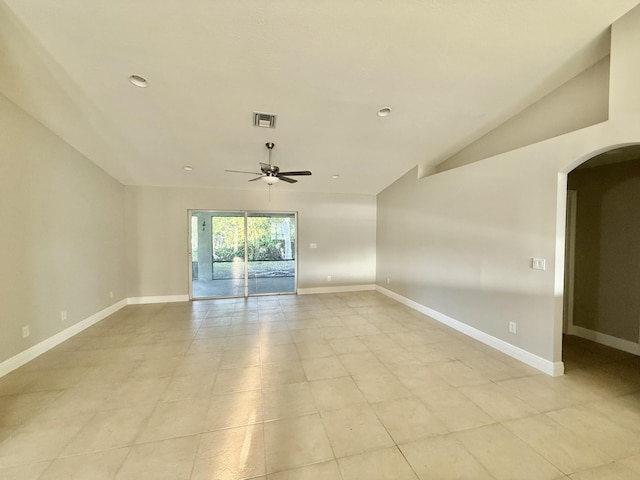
(257, 178)
(304, 172)
(288, 180)
(238, 171)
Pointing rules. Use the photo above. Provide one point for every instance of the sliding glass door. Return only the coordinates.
(271, 242)
(235, 254)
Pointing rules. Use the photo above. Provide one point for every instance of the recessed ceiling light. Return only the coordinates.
(335, 176)
(138, 81)
(188, 168)
(384, 112)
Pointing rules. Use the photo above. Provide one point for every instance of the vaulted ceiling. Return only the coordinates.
(450, 70)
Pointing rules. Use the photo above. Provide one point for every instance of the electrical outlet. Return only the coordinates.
(538, 263)
(513, 327)
(25, 331)
(63, 316)
(328, 278)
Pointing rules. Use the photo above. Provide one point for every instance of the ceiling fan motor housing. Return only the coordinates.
(273, 170)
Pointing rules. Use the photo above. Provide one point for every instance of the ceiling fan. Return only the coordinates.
(270, 173)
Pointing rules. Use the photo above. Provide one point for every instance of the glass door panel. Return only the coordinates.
(217, 254)
(271, 253)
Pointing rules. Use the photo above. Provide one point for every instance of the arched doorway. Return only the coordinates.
(602, 257)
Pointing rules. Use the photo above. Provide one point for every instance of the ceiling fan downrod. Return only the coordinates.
(270, 146)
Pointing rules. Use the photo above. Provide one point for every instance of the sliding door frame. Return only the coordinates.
(247, 214)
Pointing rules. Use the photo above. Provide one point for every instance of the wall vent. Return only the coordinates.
(265, 120)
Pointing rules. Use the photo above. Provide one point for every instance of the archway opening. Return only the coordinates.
(601, 314)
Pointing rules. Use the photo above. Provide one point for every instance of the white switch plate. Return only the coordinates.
(538, 263)
(313, 245)
(512, 327)
(25, 331)
(328, 278)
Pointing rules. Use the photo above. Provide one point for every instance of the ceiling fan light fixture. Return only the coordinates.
(138, 81)
(188, 168)
(384, 112)
(269, 180)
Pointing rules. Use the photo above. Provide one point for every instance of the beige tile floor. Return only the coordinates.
(345, 386)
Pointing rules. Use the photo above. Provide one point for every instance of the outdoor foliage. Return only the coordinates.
(227, 254)
(270, 238)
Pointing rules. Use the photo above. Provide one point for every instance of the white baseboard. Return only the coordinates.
(21, 358)
(29, 354)
(157, 299)
(603, 338)
(342, 289)
(550, 368)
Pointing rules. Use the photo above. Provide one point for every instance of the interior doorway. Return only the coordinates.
(242, 253)
(602, 258)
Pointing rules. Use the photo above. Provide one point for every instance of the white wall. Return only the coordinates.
(61, 234)
(36, 82)
(342, 226)
(460, 242)
(581, 102)
(625, 68)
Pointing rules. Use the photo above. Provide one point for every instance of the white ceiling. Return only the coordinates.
(450, 70)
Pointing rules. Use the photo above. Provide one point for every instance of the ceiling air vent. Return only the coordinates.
(266, 120)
